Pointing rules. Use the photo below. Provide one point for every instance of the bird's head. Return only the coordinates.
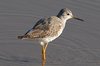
(66, 14)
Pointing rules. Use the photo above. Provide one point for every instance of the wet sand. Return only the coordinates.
(79, 45)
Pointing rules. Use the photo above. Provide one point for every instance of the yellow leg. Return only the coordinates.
(44, 47)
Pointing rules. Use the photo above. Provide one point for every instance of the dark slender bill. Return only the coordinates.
(78, 19)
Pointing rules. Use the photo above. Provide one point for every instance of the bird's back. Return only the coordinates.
(48, 27)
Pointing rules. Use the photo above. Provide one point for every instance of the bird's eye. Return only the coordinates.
(68, 14)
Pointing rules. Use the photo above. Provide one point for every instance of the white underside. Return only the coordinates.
(49, 39)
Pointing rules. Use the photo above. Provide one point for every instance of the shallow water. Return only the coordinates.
(79, 45)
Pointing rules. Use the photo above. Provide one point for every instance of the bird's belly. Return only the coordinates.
(51, 38)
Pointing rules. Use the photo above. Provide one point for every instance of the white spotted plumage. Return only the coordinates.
(48, 29)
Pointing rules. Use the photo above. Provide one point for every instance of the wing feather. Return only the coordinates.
(39, 29)
(44, 27)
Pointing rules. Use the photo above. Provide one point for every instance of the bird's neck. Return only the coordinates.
(64, 18)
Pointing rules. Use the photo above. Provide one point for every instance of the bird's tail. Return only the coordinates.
(20, 37)
(23, 37)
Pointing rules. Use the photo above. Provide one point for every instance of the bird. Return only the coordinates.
(48, 29)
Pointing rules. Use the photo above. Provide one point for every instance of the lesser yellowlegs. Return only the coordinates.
(48, 29)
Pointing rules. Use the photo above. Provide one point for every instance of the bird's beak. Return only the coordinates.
(78, 18)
